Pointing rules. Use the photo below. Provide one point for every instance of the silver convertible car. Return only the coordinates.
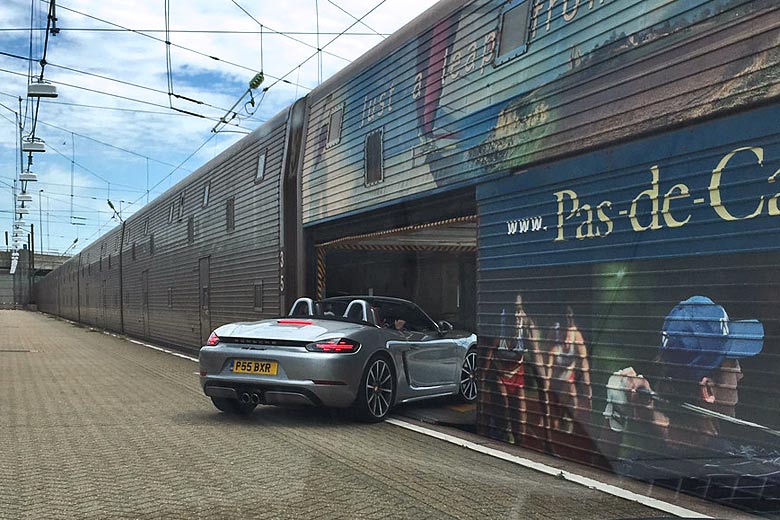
(364, 352)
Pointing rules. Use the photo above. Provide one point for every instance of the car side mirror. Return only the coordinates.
(444, 326)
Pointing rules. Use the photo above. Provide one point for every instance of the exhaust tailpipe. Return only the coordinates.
(245, 398)
(255, 398)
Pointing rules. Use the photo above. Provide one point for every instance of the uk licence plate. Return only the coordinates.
(246, 366)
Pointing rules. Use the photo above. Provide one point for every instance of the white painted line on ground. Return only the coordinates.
(555, 472)
(167, 351)
(153, 347)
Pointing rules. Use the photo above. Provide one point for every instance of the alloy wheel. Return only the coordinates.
(379, 388)
(468, 377)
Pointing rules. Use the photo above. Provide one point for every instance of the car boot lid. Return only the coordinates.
(298, 329)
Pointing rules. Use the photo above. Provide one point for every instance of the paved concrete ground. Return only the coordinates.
(93, 426)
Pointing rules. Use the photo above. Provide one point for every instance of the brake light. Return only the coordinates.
(337, 346)
(294, 322)
(213, 340)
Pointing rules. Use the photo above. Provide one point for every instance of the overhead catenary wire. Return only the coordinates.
(286, 33)
(136, 85)
(168, 66)
(66, 196)
(364, 24)
(95, 140)
(168, 43)
(90, 209)
(5, 117)
(119, 109)
(180, 165)
(75, 163)
(205, 55)
(196, 31)
(118, 96)
(327, 44)
(86, 197)
(183, 112)
(318, 53)
(263, 32)
(133, 85)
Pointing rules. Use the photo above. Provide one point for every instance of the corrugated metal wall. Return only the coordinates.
(69, 288)
(6, 290)
(162, 292)
(46, 291)
(593, 73)
(100, 282)
(144, 277)
(586, 271)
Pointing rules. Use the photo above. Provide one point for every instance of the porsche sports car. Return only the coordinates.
(364, 352)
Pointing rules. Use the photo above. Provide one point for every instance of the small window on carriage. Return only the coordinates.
(181, 206)
(513, 30)
(230, 213)
(171, 211)
(334, 126)
(206, 194)
(190, 229)
(373, 158)
(260, 175)
(258, 295)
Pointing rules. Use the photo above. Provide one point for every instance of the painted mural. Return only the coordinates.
(628, 310)
(495, 86)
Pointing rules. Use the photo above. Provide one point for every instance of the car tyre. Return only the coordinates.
(377, 390)
(467, 390)
(233, 406)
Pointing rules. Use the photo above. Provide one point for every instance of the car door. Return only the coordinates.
(430, 360)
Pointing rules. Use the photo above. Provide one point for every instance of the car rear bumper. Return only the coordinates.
(302, 377)
(285, 394)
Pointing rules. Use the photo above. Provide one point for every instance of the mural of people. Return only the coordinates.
(568, 371)
(671, 434)
(519, 338)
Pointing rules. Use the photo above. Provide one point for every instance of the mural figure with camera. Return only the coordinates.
(671, 425)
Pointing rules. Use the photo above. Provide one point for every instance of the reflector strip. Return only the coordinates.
(416, 227)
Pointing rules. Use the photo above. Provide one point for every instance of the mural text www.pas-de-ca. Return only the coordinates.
(598, 220)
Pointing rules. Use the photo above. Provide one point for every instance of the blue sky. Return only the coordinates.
(113, 125)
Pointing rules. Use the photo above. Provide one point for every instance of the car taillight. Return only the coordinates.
(213, 340)
(338, 346)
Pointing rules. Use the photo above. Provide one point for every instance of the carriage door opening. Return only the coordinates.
(145, 300)
(205, 315)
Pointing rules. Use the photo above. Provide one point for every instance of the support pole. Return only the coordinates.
(321, 252)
